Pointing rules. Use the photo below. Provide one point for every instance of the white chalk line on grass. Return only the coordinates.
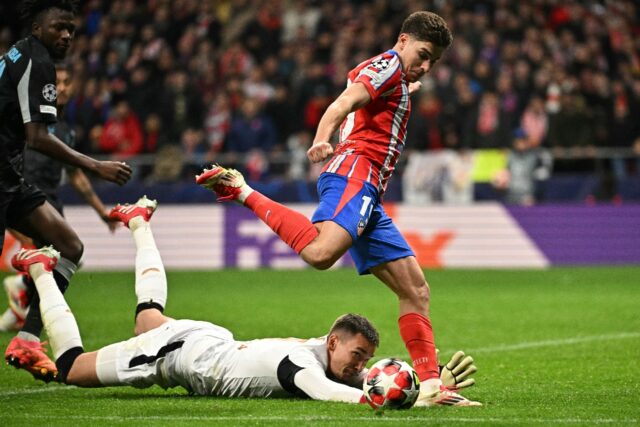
(33, 390)
(547, 343)
(371, 419)
(557, 342)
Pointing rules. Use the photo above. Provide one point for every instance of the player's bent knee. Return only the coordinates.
(65, 362)
(71, 249)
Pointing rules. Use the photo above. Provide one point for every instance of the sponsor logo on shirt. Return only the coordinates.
(14, 54)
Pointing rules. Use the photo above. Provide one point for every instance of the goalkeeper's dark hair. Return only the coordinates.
(30, 10)
(428, 27)
(356, 324)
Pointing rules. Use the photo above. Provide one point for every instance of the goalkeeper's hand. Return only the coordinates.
(455, 374)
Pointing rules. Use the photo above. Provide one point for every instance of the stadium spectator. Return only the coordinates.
(251, 131)
(122, 133)
(373, 111)
(201, 357)
(528, 166)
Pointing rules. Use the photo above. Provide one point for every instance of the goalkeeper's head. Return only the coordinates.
(351, 342)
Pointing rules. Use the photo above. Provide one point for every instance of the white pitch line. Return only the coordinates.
(546, 343)
(557, 342)
(33, 390)
(371, 419)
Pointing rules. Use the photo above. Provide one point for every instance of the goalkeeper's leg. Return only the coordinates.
(151, 280)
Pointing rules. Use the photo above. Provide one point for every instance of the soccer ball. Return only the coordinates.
(391, 384)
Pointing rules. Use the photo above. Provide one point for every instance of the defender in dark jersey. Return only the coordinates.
(47, 174)
(27, 106)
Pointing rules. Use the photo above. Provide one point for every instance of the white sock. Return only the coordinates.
(430, 386)
(57, 318)
(151, 280)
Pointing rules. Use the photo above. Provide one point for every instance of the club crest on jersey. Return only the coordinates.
(381, 63)
(49, 92)
(361, 225)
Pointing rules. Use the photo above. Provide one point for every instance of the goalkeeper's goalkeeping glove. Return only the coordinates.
(454, 375)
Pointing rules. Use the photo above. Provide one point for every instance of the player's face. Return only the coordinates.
(55, 30)
(63, 87)
(348, 355)
(417, 56)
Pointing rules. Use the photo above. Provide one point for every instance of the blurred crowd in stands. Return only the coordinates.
(246, 81)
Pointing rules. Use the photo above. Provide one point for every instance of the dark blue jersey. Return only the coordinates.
(27, 94)
(43, 171)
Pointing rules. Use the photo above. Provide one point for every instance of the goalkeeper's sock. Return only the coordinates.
(151, 279)
(292, 227)
(417, 334)
(58, 320)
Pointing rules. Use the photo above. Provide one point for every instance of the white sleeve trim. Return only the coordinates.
(23, 94)
(318, 387)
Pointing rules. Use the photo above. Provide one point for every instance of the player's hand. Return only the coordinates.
(112, 223)
(454, 375)
(117, 172)
(414, 87)
(319, 151)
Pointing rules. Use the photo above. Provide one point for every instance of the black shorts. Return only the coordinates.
(17, 205)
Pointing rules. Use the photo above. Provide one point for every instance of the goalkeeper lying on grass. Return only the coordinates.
(202, 357)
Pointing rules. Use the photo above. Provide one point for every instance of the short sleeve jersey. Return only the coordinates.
(27, 94)
(372, 137)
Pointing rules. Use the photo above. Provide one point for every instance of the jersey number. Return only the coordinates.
(366, 206)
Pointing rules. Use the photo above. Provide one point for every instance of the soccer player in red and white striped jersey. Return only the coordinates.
(372, 114)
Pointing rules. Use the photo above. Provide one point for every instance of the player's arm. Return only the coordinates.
(80, 182)
(39, 139)
(315, 384)
(355, 96)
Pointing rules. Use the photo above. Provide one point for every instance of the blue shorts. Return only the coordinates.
(355, 206)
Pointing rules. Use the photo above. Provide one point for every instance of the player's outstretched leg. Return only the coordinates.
(292, 227)
(59, 321)
(151, 280)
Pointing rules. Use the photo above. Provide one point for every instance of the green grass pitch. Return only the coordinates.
(553, 347)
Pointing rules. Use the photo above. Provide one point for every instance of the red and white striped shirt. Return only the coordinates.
(372, 137)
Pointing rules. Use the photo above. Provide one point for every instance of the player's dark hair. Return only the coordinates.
(429, 27)
(356, 324)
(64, 66)
(30, 10)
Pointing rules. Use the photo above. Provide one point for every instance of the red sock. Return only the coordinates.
(417, 334)
(292, 227)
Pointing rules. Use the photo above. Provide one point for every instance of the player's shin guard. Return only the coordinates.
(151, 280)
(58, 320)
(292, 227)
(417, 334)
(62, 273)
